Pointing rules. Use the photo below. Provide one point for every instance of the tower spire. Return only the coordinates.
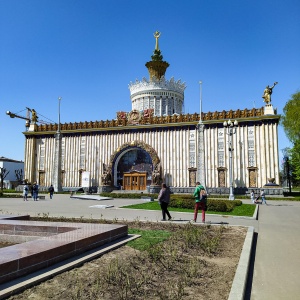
(156, 35)
(157, 67)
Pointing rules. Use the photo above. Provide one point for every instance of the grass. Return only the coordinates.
(148, 238)
(246, 210)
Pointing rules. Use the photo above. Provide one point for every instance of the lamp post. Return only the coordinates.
(201, 152)
(230, 131)
(56, 180)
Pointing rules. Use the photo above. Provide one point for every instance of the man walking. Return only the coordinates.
(35, 191)
(51, 191)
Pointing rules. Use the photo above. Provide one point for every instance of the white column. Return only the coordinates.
(160, 105)
(185, 158)
(201, 153)
(177, 159)
(275, 142)
(167, 105)
(174, 106)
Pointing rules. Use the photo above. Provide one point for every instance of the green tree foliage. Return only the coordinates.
(290, 119)
(295, 162)
(291, 124)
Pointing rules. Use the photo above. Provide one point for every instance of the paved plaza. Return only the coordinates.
(275, 265)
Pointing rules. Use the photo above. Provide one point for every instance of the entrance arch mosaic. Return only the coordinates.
(144, 155)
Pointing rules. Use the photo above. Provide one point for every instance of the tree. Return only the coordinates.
(19, 175)
(3, 174)
(291, 124)
(290, 119)
(295, 162)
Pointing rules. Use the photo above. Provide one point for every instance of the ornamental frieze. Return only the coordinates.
(146, 116)
(136, 143)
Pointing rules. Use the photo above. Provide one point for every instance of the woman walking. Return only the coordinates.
(164, 200)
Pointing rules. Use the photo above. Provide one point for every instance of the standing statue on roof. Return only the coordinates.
(34, 117)
(156, 35)
(268, 92)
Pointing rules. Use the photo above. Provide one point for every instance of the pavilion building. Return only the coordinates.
(157, 142)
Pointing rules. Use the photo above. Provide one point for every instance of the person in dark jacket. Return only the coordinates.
(164, 200)
(35, 191)
(51, 191)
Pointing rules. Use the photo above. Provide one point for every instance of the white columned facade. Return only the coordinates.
(172, 144)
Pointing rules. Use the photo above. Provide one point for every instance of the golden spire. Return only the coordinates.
(156, 35)
(157, 67)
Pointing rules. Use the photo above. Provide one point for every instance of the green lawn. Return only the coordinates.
(148, 238)
(246, 210)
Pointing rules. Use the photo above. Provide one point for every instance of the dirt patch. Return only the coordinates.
(196, 262)
(6, 244)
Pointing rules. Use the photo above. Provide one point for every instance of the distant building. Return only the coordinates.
(12, 166)
(156, 142)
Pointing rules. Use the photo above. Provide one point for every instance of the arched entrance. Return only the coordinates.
(132, 165)
(134, 169)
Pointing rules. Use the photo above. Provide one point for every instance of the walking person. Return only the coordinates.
(164, 200)
(25, 192)
(263, 197)
(35, 191)
(252, 196)
(201, 200)
(51, 191)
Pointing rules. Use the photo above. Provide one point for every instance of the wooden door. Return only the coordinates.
(41, 179)
(134, 181)
(252, 178)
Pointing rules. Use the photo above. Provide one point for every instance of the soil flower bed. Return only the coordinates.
(192, 262)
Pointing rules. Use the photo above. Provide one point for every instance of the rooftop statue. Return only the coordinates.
(156, 35)
(34, 117)
(156, 53)
(268, 92)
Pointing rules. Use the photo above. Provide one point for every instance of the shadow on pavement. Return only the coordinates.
(251, 268)
(280, 205)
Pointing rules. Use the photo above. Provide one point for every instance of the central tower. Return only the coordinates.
(164, 97)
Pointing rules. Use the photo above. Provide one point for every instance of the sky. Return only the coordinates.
(88, 51)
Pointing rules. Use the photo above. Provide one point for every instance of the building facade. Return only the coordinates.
(14, 172)
(156, 142)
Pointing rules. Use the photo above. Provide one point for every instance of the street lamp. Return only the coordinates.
(56, 180)
(230, 131)
(201, 144)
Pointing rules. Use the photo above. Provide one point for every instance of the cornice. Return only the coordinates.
(146, 120)
(156, 84)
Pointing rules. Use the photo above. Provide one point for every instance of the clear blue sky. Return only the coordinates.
(88, 51)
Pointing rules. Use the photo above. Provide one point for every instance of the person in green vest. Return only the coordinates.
(200, 198)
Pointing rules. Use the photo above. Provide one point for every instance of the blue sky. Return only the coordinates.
(88, 51)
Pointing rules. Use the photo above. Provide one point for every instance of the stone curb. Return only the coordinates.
(20, 284)
(238, 287)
